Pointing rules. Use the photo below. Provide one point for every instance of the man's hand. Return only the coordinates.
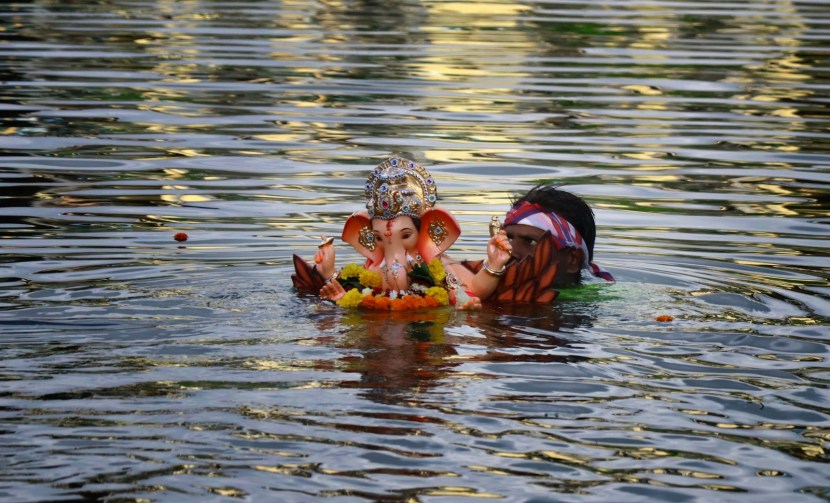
(499, 250)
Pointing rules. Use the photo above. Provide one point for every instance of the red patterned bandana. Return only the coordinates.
(563, 234)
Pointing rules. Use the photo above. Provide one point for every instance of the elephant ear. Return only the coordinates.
(358, 233)
(439, 230)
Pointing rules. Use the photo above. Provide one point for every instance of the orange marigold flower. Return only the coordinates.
(407, 302)
(377, 300)
(431, 302)
(369, 302)
(180, 236)
(372, 302)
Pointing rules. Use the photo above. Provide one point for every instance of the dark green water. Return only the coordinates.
(135, 368)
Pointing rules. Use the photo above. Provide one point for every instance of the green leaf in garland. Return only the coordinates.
(353, 282)
(420, 274)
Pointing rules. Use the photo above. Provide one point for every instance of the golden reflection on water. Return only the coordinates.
(230, 492)
(182, 198)
(467, 492)
(657, 32)
(456, 53)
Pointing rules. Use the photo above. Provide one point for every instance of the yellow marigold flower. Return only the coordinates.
(351, 271)
(352, 299)
(370, 279)
(436, 269)
(439, 294)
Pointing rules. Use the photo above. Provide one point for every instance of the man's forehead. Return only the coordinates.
(521, 230)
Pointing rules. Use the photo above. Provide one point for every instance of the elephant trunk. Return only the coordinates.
(394, 269)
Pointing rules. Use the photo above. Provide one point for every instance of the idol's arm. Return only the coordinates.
(320, 278)
(324, 258)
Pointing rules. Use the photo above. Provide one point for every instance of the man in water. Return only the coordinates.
(570, 222)
(561, 221)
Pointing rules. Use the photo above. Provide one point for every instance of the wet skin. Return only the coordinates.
(524, 239)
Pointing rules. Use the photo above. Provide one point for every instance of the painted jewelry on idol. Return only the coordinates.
(366, 238)
(437, 232)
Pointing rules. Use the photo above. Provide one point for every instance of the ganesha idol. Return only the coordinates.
(404, 237)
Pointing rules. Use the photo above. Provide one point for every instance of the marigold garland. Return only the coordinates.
(351, 271)
(436, 269)
(368, 294)
(370, 279)
(352, 299)
(440, 295)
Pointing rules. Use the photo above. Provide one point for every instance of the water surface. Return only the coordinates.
(136, 368)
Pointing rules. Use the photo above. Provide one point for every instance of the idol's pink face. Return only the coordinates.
(397, 237)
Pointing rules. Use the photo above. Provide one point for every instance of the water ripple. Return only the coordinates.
(135, 367)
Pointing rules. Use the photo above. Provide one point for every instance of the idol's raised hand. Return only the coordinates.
(324, 258)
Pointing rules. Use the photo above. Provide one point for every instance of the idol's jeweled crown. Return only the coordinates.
(398, 186)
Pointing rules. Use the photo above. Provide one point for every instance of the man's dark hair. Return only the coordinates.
(569, 206)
